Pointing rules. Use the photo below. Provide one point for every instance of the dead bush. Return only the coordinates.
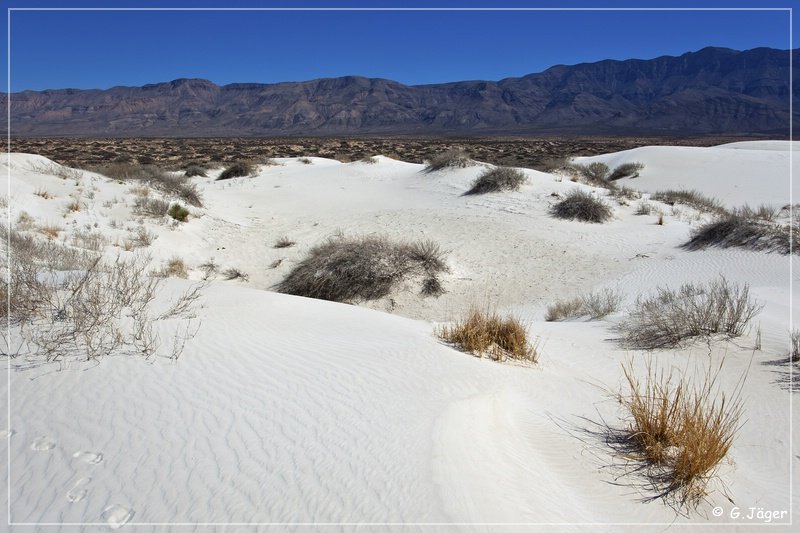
(485, 333)
(498, 179)
(579, 205)
(238, 169)
(626, 170)
(691, 198)
(284, 242)
(150, 207)
(454, 158)
(671, 317)
(735, 230)
(351, 269)
(595, 305)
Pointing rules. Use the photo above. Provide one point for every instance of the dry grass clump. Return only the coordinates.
(284, 242)
(73, 207)
(595, 305)
(235, 273)
(349, 269)
(173, 268)
(454, 158)
(498, 179)
(691, 198)
(626, 170)
(671, 317)
(579, 205)
(623, 195)
(369, 160)
(43, 193)
(305, 160)
(742, 230)
(795, 353)
(195, 170)
(238, 169)
(644, 208)
(170, 184)
(680, 429)
(50, 231)
(595, 173)
(487, 334)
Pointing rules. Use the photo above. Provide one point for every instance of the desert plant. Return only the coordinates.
(669, 318)
(150, 207)
(209, 269)
(235, 273)
(595, 305)
(142, 237)
(50, 231)
(173, 268)
(734, 230)
(369, 160)
(795, 352)
(594, 173)
(579, 205)
(498, 179)
(304, 160)
(283, 242)
(195, 170)
(453, 158)
(89, 240)
(626, 170)
(691, 198)
(644, 208)
(42, 193)
(624, 194)
(680, 429)
(73, 207)
(178, 212)
(238, 169)
(363, 268)
(486, 333)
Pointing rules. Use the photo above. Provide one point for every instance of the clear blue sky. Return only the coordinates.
(100, 49)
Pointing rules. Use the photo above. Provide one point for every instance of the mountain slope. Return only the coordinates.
(714, 90)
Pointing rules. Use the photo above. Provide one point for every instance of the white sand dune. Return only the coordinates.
(291, 410)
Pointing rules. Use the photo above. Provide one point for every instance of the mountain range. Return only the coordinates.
(711, 91)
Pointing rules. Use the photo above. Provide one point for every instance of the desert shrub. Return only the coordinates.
(362, 268)
(670, 317)
(454, 158)
(284, 242)
(579, 205)
(178, 212)
(195, 170)
(173, 268)
(626, 170)
(89, 240)
(595, 173)
(209, 269)
(150, 207)
(67, 305)
(644, 208)
(795, 353)
(764, 212)
(486, 333)
(691, 198)
(305, 160)
(624, 194)
(733, 230)
(595, 305)
(679, 429)
(498, 179)
(42, 193)
(142, 238)
(50, 231)
(238, 169)
(369, 160)
(235, 273)
(128, 171)
(177, 186)
(74, 206)
(553, 164)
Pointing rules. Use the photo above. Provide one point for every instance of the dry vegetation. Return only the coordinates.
(580, 205)
(498, 179)
(626, 170)
(671, 317)
(485, 333)
(691, 198)
(746, 229)
(238, 169)
(679, 429)
(170, 184)
(455, 158)
(595, 305)
(354, 269)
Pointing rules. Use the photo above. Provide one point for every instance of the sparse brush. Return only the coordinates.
(142, 238)
(283, 242)
(498, 179)
(42, 193)
(595, 305)
(195, 170)
(235, 273)
(681, 429)
(579, 205)
(369, 160)
(594, 173)
(487, 334)
(362, 268)
(50, 231)
(238, 169)
(178, 212)
(734, 230)
(644, 208)
(691, 198)
(150, 207)
(671, 317)
(553, 164)
(453, 158)
(626, 170)
(173, 268)
(764, 212)
(209, 269)
(624, 194)
(89, 240)
(74, 206)
(795, 354)
(305, 160)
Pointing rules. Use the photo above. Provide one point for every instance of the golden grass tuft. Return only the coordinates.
(486, 333)
(682, 428)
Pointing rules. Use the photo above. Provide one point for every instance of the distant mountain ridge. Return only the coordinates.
(713, 90)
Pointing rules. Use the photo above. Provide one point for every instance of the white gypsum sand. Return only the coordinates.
(294, 410)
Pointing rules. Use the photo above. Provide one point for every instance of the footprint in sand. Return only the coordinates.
(117, 516)
(78, 490)
(43, 444)
(88, 457)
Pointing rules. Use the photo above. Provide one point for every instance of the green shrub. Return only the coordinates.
(178, 212)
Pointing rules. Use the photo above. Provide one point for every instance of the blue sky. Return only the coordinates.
(101, 49)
